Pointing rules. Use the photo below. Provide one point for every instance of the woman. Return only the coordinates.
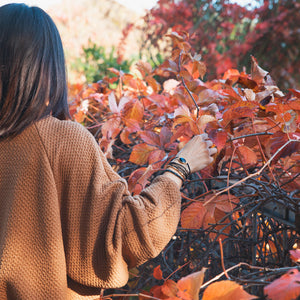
(68, 225)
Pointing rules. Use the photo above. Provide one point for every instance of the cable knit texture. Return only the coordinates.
(68, 225)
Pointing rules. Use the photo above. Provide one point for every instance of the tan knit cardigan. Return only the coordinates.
(68, 225)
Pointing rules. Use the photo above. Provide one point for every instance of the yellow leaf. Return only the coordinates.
(226, 290)
(191, 284)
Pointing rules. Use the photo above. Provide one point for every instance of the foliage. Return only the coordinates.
(241, 212)
(95, 62)
(226, 34)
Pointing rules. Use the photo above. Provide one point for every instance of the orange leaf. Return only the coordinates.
(193, 216)
(156, 156)
(218, 137)
(231, 73)
(226, 203)
(111, 128)
(144, 68)
(226, 290)
(134, 111)
(134, 177)
(182, 114)
(287, 287)
(237, 113)
(248, 156)
(140, 153)
(189, 286)
(125, 136)
(257, 73)
(169, 288)
(150, 138)
(157, 273)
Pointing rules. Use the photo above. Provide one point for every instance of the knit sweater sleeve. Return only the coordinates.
(105, 229)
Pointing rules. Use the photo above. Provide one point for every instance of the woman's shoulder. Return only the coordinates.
(52, 126)
(55, 131)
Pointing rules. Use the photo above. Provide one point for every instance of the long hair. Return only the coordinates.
(32, 69)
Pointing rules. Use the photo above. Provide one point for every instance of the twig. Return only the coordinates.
(222, 259)
(251, 175)
(279, 270)
(249, 135)
(129, 295)
(185, 86)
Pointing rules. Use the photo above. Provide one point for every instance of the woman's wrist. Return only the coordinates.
(173, 177)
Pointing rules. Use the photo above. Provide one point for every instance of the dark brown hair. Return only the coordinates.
(32, 69)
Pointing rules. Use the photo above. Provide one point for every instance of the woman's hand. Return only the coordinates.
(198, 152)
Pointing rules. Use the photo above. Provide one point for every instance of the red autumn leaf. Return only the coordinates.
(134, 111)
(287, 287)
(278, 140)
(169, 288)
(157, 156)
(295, 255)
(218, 137)
(153, 83)
(125, 136)
(132, 125)
(257, 73)
(150, 138)
(226, 202)
(294, 104)
(111, 128)
(207, 97)
(231, 94)
(140, 153)
(248, 156)
(189, 286)
(231, 74)
(165, 136)
(144, 68)
(157, 273)
(236, 113)
(182, 114)
(226, 290)
(193, 216)
(115, 71)
(199, 69)
(295, 92)
(134, 177)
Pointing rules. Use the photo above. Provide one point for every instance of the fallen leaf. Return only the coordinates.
(193, 216)
(157, 273)
(226, 290)
(190, 285)
(286, 287)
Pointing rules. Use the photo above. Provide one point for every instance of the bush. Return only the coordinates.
(96, 61)
(241, 212)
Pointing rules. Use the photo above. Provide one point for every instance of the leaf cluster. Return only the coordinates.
(242, 211)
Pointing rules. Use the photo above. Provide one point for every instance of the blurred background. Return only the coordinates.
(98, 34)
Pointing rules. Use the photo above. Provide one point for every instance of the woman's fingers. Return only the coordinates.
(209, 143)
(212, 151)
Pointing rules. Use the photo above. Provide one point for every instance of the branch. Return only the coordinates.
(251, 175)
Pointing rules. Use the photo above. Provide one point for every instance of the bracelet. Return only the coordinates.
(179, 168)
(174, 173)
(183, 161)
(182, 174)
(180, 164)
